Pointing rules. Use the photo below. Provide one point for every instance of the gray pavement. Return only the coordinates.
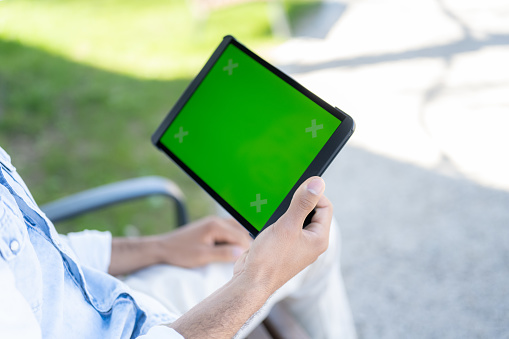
(422, 190)
(425, 255)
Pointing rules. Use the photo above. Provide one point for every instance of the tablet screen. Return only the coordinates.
(248, 134)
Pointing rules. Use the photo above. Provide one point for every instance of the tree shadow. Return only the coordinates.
(441, 51)
(467, 43)
(314, 19)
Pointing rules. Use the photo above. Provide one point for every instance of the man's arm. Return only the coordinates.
(223, 313)
(202, 242)
(277, 254)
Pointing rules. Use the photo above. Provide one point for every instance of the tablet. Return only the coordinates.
(249, 134)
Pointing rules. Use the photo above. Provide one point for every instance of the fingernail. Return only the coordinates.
(237, 252)
(316, 186)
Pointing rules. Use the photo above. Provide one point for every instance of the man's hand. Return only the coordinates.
(207, 240)
(285, 248)
(277, 254)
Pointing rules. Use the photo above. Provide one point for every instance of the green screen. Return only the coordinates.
(248, 134)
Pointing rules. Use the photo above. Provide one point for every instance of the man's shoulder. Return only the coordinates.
(4, 156)
(5, 159)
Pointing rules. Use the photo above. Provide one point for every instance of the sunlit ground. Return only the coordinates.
(150, 39)
(426, 81)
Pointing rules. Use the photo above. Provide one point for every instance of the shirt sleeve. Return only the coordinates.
(161, 332)
(93, 248)
(16, 317)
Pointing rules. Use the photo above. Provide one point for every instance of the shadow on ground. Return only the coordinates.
(425, 255)
(315, 19)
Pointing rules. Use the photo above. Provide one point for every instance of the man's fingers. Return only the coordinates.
(228, 232)
(305, 199)
(322, 219)
(235, 224)
(225, 253)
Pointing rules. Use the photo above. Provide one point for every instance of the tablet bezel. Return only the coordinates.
(317, 166)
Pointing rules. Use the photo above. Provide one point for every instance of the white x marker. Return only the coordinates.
(258, 203)
(230, 67)
(314, 127)
(181, 134)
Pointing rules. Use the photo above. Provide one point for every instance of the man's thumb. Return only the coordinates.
(305, 199)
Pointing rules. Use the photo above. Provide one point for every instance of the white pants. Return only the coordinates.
(316, 296)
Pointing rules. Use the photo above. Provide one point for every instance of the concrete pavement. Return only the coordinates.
(422, 189)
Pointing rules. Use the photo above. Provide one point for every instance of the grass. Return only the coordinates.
(83, 84)
(69, 127)
(156, 39)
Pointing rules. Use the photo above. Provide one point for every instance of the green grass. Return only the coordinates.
(84, 83)
(156, 39)
(69, 127)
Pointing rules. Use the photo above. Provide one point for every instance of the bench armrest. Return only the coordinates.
(115, 193)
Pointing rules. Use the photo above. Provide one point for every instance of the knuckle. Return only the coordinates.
(217, 223)
(306, 203)
(212, 219)
(208, 227)
(211, 225)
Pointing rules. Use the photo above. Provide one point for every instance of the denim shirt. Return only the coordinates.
(67, 298)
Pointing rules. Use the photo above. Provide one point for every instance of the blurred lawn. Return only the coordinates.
(84, 83)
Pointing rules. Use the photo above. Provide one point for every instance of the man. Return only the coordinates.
(55, 286)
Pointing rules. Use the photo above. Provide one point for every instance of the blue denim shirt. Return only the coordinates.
(68, 299)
